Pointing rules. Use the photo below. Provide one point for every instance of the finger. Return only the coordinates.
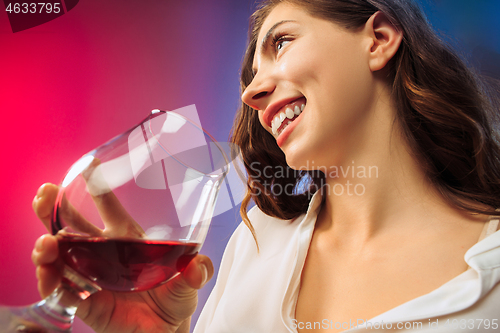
(46, 250)
(49, 278)
(68, 213)
(198, 272)
(48, 271)
(117, 221)
(43, 203)
(177, 299)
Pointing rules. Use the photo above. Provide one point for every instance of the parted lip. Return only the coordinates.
(276, 107)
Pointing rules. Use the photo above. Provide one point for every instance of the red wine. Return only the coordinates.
(126, 264)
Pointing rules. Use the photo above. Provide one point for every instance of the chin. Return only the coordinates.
(313, 156)
(300, 161)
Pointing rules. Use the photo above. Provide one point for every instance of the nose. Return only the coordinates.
(256, 94)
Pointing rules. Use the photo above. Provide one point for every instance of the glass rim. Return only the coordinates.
(224, 170)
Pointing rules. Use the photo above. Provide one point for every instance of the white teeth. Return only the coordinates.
(275, 126)
(289, 113)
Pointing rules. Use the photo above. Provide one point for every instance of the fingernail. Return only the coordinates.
(40, 191)
(39, 244)
(204, 274)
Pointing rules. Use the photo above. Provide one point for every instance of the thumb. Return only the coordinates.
(178, 298)
(198, 272)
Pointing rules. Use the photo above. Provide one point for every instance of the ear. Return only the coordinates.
(385, 39)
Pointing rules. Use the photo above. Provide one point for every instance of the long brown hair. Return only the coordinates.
(444, 112)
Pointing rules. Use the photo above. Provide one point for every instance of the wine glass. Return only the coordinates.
(129, 216)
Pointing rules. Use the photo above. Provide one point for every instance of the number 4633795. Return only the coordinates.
(34, 8)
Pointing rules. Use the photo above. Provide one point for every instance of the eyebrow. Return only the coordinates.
(265, 40)
(268, 34)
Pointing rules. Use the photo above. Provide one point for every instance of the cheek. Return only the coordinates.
(344, 84)
(340, 93)
(298, 69)
(261, 121)
(323, 66)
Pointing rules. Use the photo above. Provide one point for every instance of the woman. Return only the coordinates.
(397, 177)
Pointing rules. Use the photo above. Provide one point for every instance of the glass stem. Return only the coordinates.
(57, 311)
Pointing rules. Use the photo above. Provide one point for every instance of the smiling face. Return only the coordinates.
(313, 86)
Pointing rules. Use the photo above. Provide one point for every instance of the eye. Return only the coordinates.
(279, 41)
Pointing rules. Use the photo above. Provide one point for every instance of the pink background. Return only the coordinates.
(70, 84)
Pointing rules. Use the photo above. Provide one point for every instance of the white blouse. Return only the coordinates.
(257, 292)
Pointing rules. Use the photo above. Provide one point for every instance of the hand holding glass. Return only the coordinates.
(129, 216)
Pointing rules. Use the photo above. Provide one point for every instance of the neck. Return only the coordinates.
(379, 189)
(368, 195)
